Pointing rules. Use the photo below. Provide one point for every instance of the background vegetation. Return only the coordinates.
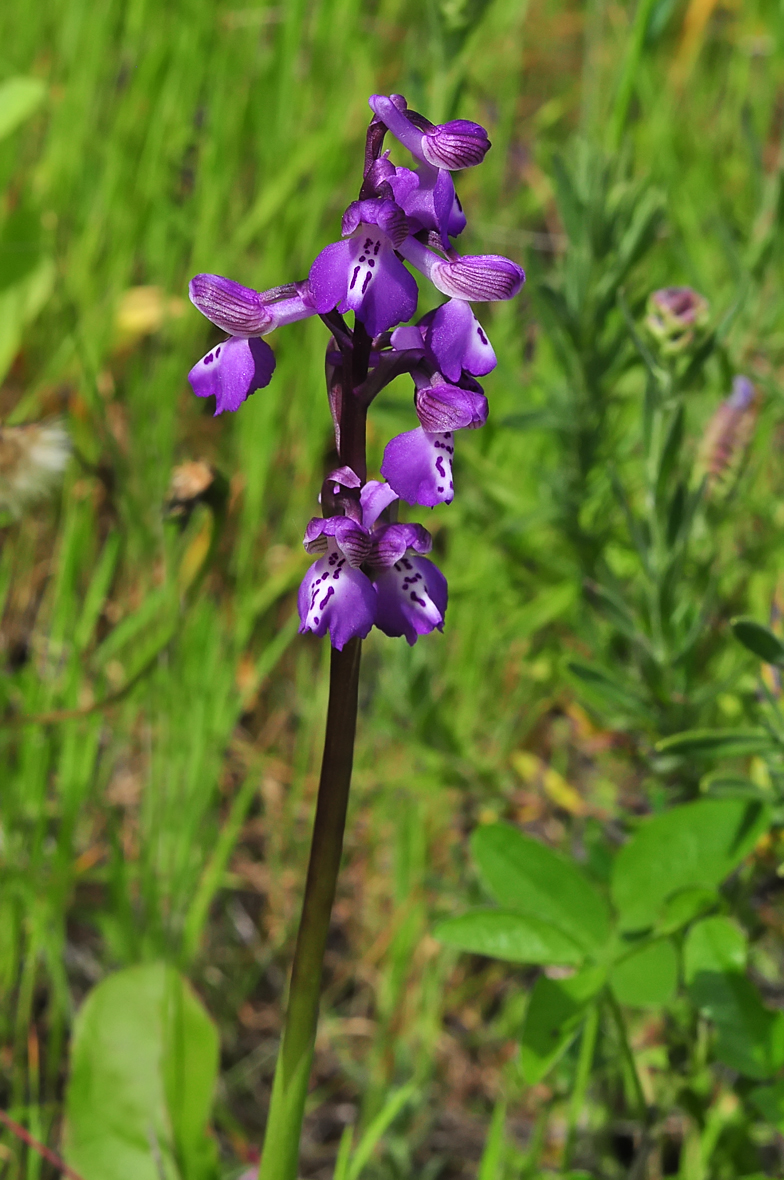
(161, 720)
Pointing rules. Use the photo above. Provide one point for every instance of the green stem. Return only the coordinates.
(628, 1058)
(584, 1063)
(290, 1087)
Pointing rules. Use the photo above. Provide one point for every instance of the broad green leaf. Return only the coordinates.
(517, 938)
(683, 907)
(692, 846)
(648, 977)
(552, 1020)
(525, 875)
(144, 1061)
(18, 99)
(760, 640)
(769, 1101)
(716, 743)
(749, 1036)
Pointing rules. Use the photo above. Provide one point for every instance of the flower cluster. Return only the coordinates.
(371, 569)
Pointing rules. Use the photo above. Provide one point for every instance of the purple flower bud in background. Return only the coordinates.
(454, 145)
(676, 317)
(233, 370)
(480, 277)
(729, 432)
(362, 273)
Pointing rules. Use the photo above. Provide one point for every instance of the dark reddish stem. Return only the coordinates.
(46, 1153)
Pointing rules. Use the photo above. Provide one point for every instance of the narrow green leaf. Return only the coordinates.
(392, 1107)
(553, 1018)
(524, 875)
(696, 845)
(648, 977)
(600, 684)
(716, 743)
(491, 1166)
(500, 934)
(760, 640)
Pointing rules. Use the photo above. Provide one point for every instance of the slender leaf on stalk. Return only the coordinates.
(717, 743)
(600, 684)
(760, 640)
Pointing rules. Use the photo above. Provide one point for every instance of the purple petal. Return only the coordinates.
(381, 291)
(352, 540)
(407, 337)
(232, 307)
(441, 407)
(419, 467)
(336, 598)
(387, 215)
(458, 144)
(232, 371)
(288, 311)
(743, 393)
(482, 277)
(456, 222)
(458, 342)
(328, 276)
(345, 477)
(430, 203)
(391, 541)
(374, 498)
(412, 598)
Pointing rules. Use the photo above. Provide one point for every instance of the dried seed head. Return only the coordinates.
(32, 460)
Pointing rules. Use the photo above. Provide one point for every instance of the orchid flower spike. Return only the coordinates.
(369, 568)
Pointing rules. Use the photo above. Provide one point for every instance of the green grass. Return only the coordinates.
(175, 821)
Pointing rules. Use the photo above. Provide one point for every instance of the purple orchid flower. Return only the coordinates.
(427, 197)
(473, 277)
(402, 593)
(454, 145)
(335, 595)
(363, 273)
(455, 340)
(233, 370)
(369, 569)
(418, 464)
